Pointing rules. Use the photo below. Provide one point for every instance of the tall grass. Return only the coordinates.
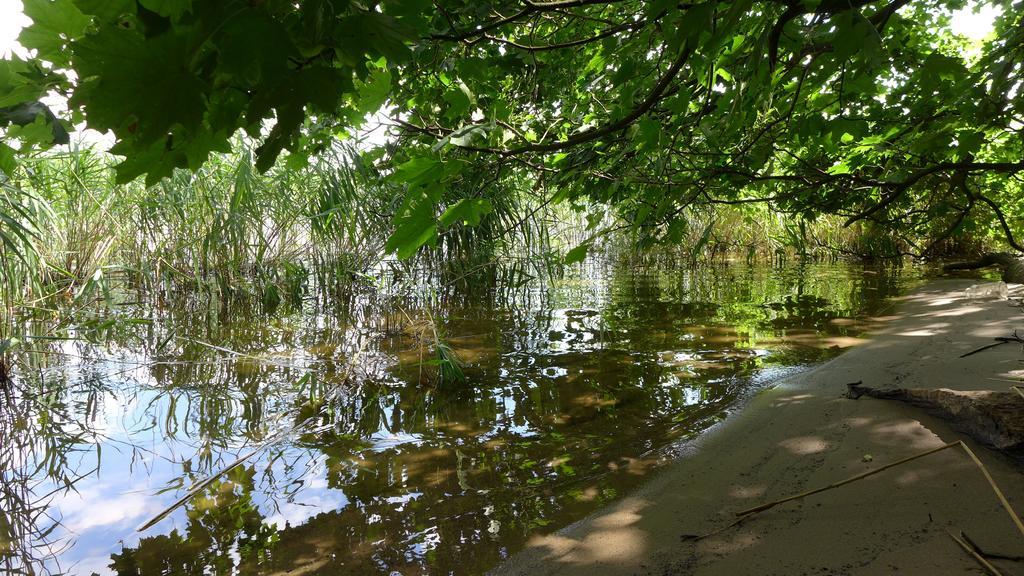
(228, 232)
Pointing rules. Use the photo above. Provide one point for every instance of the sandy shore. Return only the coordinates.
(803, 434)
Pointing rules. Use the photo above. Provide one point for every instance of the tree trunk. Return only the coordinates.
(995, 418)
(1013, 267)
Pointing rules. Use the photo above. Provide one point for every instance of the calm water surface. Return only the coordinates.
(575, 390)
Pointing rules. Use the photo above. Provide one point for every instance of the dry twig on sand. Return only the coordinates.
(1000, 340)
(971, 548)
(974, 457)
(861, 476)
(974, 554)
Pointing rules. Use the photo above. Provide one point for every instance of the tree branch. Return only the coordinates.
(652, 99)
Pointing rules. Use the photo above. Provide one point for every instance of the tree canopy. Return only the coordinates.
(869, 110)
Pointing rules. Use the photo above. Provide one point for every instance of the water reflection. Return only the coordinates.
(573, 393)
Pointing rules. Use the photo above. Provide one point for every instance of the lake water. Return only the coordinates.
(359, 458)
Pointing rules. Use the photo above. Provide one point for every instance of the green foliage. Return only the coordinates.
(468, 211)
(175, 79)
(869, 111)
(415, 224)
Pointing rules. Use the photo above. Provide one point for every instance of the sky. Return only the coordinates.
(974, 25)
(12, 20)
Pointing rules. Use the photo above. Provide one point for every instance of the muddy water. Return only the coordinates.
(361, 458)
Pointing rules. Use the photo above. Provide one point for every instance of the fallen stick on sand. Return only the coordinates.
(995, 488)
(861, 476)
(970, 453)
(974, 553)
(989, 553)
(743, 515)
(1000, 340)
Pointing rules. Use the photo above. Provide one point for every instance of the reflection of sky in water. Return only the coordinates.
(564, 386)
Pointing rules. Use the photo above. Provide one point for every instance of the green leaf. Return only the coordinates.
(8, 162)
(839, 168)
(374, 92)
(676, 230)
(106, 10)
(173, 9)
(34, 113)
(577, 254)
(16, 86)
(415, 226)
(139, 88)
(969, 142)
(648, 134)
(375, 34)
(469, 211)
(254, 49)
(54, 24)
(854, 35)
(656, 7)
(37, 132)
(418, 171)
(459, 99)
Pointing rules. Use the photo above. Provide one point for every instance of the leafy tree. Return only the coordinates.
(870, 110)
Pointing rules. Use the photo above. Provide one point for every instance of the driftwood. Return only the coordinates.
(1013, 267)
(993, 418)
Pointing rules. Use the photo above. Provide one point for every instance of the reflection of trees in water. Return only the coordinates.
(224, 531)
(463, 474)
(45, 445)
(537, 435)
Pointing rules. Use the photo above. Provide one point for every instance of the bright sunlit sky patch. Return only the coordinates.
(975, 25)
(12, 20)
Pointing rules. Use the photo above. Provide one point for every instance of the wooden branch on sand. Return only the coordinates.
(989, 553)
(974, 554)
(1000, 340)
(974, 457)
(861, 476)
(963, 541)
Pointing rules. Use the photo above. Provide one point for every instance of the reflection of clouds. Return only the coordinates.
(95, 561)
(422, 542)
(296, 513)
(98, 505)
(385, 440)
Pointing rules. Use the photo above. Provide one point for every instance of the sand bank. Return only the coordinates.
(802, 434)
